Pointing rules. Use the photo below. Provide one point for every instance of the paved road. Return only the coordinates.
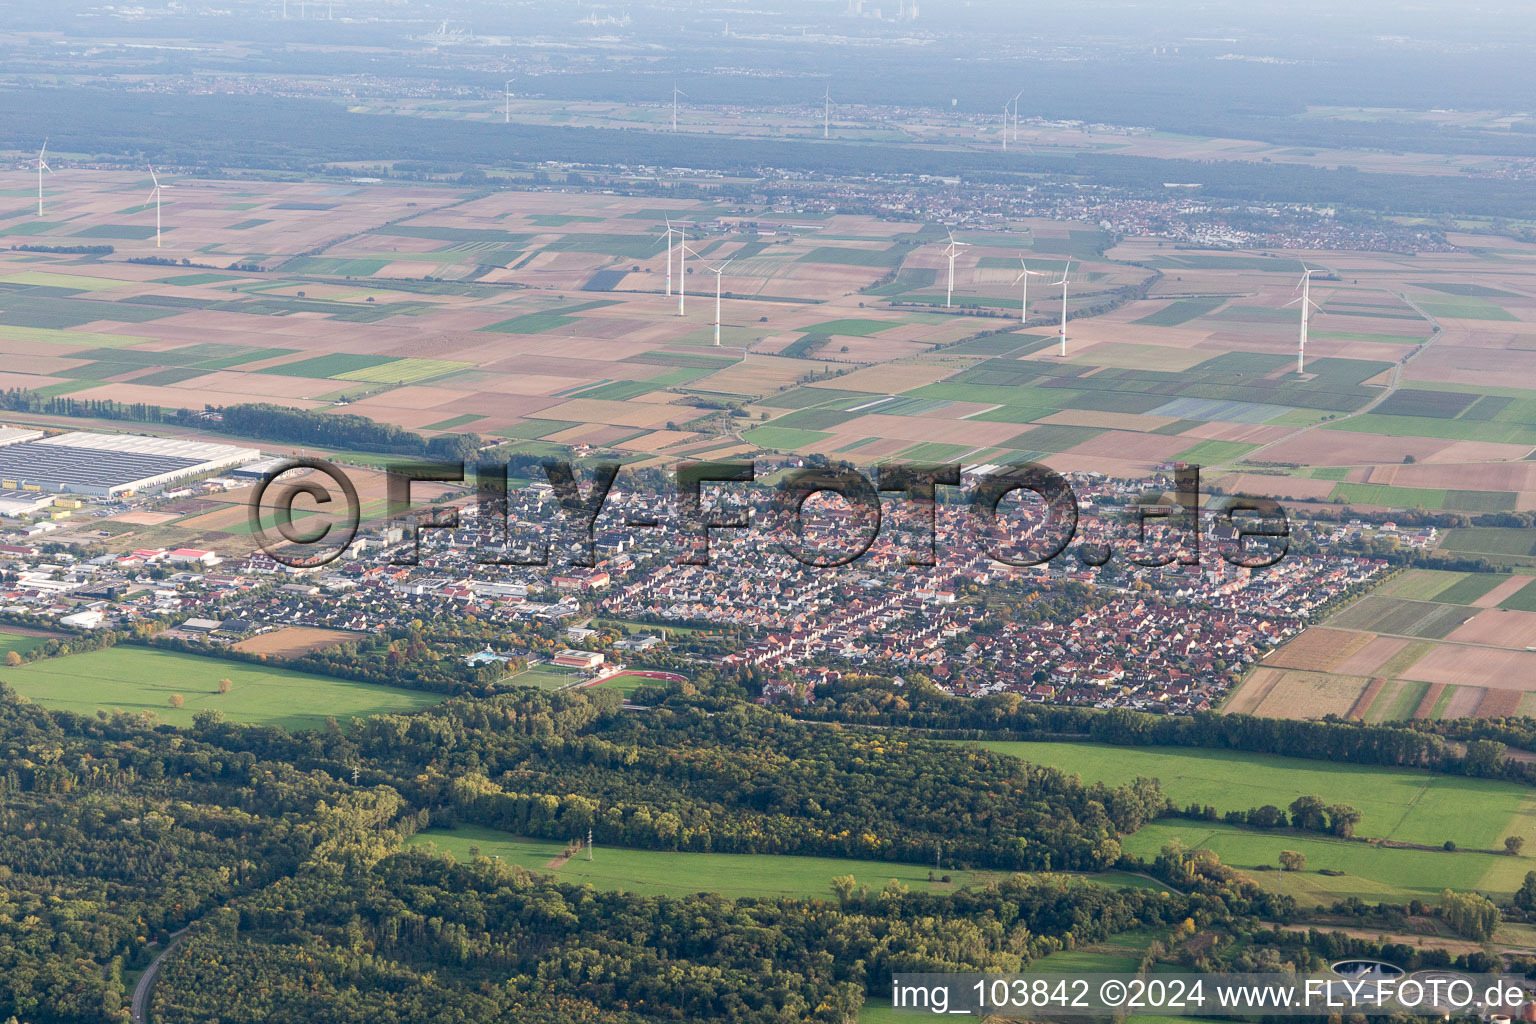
(146, 983)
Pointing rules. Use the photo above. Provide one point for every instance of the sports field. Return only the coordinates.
(1398, 804)
(653, 872)
(135, 679)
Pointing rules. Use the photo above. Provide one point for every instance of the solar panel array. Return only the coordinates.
(54, 466)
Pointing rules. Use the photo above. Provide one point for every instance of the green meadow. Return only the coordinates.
(19, 642)
(1371, 873)
(137, 679)
(1394, 803)
(659, 873)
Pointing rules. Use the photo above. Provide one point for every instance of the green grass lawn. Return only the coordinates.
(656, 873)
(1408, 806)
(143, 679)
(628, 682)
(1371, 873)
(545, 677)
(19, 642)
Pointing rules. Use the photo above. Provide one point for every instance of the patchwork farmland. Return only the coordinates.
(1427, 644)
(543, 320)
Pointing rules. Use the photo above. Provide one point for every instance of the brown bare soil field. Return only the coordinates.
(1311, 695)
(890, 378)
(1429, 700)
(1504, 590)
(755, 375)
(1165, 349)
(1369, 659)
(294, 641)
(1367, 696)
(1499, 627)
(1497, 476)
(1459, 665)
(1121, 444)
(1319, 649)
(659, 440)
(1249, 433)
(1251, 693)
(1464, 702)
(629, 414)
(1499, 703)
(146, 518)
(1112, 420)
(874, 350)
(1327, 448)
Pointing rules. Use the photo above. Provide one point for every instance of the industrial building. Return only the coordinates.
(104, 465)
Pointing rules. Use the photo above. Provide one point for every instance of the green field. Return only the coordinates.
(326, 367)
(1386, 494)
(1522, 600)
(1371, 873)
(783, 438)
(627, 682)
(1183, 310)
(1490, 540)
(19, 642)
(1212, 453)
(853, 327)
(658, 873)
(402, 371)
(545, 677)
(143, 679)
(1429, 620)
(1407, 806)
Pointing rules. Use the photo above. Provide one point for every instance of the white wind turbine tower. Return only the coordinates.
(1024, 275)
(1063, 282)
(506, 88)
(668, 236)
(826, 113)
(1307, 305)
(717, 271)
(1016, 115)
(951, 250)
(42, 165)
(154, 194)
(1005, 127)
(676, 92)
(682, 280)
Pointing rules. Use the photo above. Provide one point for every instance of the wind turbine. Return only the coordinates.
(717, 271)
(676, 92)
(1024, 275)
(154, 194)
(1307, 305)
(1005, 127)
(668, 236)
(507, 112)
(1063, 282)
(42, 165)
(1016, 115)
(682, 280)
(951, 250)
(826, 113)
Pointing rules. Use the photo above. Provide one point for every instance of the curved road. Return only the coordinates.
(141, 991)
